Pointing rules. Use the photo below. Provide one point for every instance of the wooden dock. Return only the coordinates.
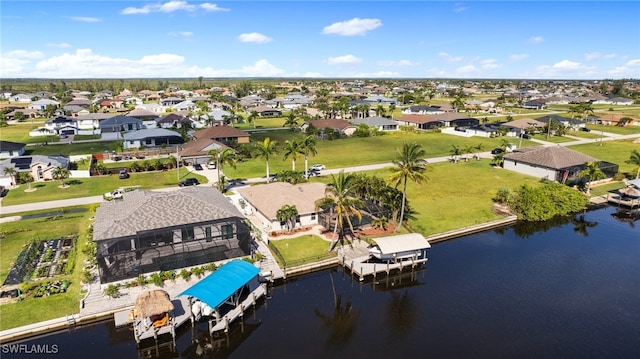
(181, 314)
(225, 321)
(360, 267)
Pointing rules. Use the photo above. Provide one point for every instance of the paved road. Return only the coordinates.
(212, 176)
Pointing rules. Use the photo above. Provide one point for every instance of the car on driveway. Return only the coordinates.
(211, 165)
(197, 167)
(497, 151)
(317, 167)
(585, 129)
(123, 174)
(189, 182)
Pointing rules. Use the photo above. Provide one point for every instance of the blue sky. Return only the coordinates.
(350, 39)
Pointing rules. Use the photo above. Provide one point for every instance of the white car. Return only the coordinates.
(115, 194)
(317, 167)
(211, 165)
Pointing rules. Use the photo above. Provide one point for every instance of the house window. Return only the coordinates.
(313, 216)
(207, 234)
(187, 234)
(148, 141)
(227, 231)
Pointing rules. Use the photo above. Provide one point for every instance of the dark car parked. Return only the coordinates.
(123, 174)
(585, 129)
(497, 151)
(189, 182)
(197, 167)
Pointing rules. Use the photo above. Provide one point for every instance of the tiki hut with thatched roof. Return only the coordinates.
(153, 314)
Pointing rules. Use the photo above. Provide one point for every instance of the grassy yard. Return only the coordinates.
(19, 132)
(358, 151)
(611, 151)
(73, 148)
(303, 247)
(15, 236)
(83, 187)
(627, 130)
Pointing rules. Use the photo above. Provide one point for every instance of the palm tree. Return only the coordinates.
(291, 121)
(292, 148)
(592, 172)
(392, 108)
(264, 150)
(308, 147)
(409, 165)
(341, 195)
(342, 322)
(634, 159)
(61, 173)
(253, 115)
(226, 157)
(289, 214)
(26, 177)
(11, 172)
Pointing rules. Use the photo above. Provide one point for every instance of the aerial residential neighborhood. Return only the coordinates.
(188, 179)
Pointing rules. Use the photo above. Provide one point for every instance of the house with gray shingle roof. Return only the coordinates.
(148, 231)
(554, 163)
(380, 123)
(151, 137)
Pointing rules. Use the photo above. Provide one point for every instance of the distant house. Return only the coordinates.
(42, 104)
(172, 120)
(212, 138)
(21, 98)
(422, 122)
(266, 199)
(151, 137)
(454, 119)
(40, 167)
(170, 101)
(422, 110)
(380, 123)
(113, 126)
(11, 149)
(534, 105)
(341, 126)
(380, 100)
(554, 163)
(266, 111)
(62, 125)
(142, 114)
(565, 121)
(492, 129)
(151, 231)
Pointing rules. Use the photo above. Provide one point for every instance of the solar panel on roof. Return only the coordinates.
(21, 163)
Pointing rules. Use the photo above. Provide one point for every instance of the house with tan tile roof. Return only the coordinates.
(211, 138)
(266, 199)
(422, 122)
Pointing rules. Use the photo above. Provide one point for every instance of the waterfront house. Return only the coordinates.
(148, 231)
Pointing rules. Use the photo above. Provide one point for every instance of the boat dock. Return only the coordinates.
(361, 266)
(238, 312)
(180, 315)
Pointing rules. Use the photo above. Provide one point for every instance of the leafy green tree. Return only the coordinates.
(340, 195)
(592, 172)
(26, 177)
(288, 214)
(266, 149)
(11, 172)
(409, 165)
(634, 159)
(544, 202)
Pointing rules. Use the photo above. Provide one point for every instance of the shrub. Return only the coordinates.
(142, 281)
(185, 274)
(544, 202)
(156, 278)
(198, 271)
(112, 291)
(503, 195)
(87, 276)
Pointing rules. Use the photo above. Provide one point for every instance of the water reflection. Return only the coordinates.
(342, 322)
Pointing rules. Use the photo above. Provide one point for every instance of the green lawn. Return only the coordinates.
(83, 187)
(73, 148)
(611, 151)
(15, 236)
(303, 247)
(552, 139)
(19, 132)
(357, 151)
(627, 130)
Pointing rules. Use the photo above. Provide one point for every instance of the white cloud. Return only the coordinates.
(630, 69)
(518, 57)
(84, 63)
(489, 64)
(61, 45)
(85, 19)
(23, 54)
(386, 74)
(598, 55)
(344, 60)
(185, 34)
(256, 37)
(466, 70)
(535, 40)
(566, 69)
(171, 6)
(398, 63)
(449, 58)
(460, 8)
(352, 27)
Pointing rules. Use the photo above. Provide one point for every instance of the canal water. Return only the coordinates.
(562, 288)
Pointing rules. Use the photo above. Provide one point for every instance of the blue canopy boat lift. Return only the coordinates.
(224, 294)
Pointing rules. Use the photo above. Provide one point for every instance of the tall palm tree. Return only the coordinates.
(455, 152)
(264, 150)
(634, 159)
(308, 147)
(592, 172)
(226, 157)
(291, 121)
(26, 177)
(292, 148)
(341, 195)
(61, 173)
(253, 115)
(409, 165)
(11, 172)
